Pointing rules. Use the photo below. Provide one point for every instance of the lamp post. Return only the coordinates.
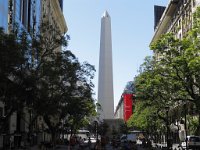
(185, 124)
(167, 125)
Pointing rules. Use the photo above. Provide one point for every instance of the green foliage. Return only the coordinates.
(193, 125)
(51, 83)
(169, 78)
(65, 85)
(15, 78)
(144, 117)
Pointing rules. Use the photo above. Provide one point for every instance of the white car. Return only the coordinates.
(192, 142)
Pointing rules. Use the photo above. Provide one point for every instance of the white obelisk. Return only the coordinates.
(105, 83)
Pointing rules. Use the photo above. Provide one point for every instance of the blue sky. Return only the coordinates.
(132, 24)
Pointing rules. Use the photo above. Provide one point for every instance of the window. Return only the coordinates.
(30, 14)
(18, 9)
(23, 17)
(24, 13)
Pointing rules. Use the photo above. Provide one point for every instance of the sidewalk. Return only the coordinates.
(58, 147)
(65, 147)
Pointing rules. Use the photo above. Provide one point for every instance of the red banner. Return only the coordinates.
(128, 102)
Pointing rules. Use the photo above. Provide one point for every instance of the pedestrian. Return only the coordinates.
(97, 145)
(89, 143)
(114, 143)
(144, 142)
(72, 142)
(148, 143)
(11, 141)
(134, 146)
(103, 142)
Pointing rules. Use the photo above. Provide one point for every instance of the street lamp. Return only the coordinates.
(167, 124)
(185, 124)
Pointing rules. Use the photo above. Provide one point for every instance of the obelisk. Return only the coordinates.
(105, 83)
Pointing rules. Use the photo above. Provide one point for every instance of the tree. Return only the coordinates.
(172, 77)
(181, 67)
(64, 86)
(14, 74)
(169, 79)
(152, 96)
(49, 83)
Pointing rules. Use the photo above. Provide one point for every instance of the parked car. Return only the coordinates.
(192, 142)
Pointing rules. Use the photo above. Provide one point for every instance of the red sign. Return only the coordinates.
(128, 102)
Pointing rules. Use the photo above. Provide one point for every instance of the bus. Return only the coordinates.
(133, 136)
(138, 133)
(84, 134)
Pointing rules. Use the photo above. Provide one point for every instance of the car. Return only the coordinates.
(129, 137)
(192, 142)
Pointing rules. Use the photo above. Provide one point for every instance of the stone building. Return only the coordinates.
(176, 18)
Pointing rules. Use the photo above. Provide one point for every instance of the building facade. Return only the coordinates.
(51, 12)
(4, 25)
(176, 18)
(119, 110)
(124, 109)
(27, 15)
(24, 14)
(3, 13)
